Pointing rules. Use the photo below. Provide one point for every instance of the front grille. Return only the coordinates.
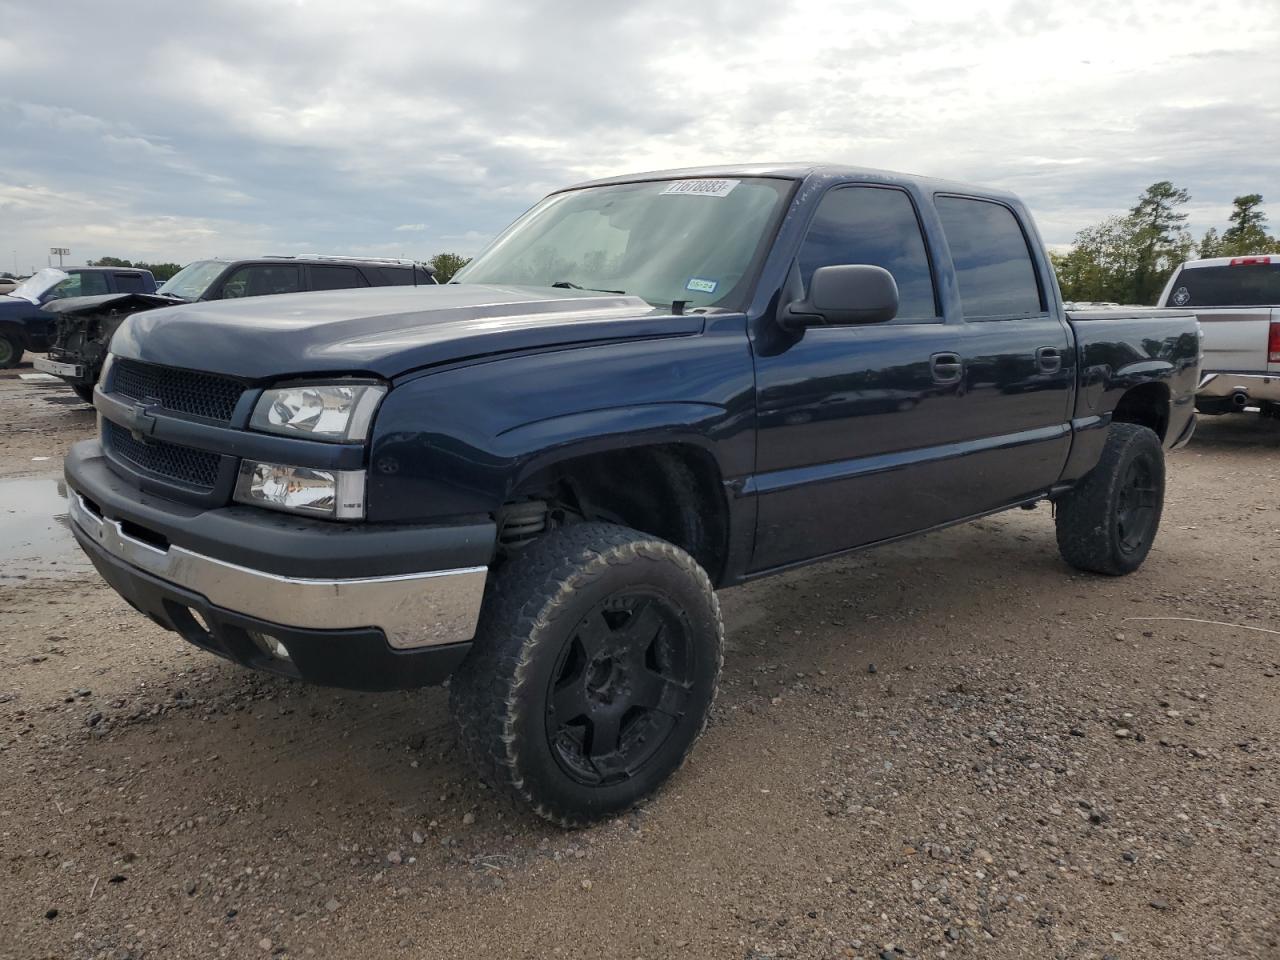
(197, 468)
(199, 394)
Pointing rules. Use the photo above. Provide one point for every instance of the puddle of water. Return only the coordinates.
(34, 538)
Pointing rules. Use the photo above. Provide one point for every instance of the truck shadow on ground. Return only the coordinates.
(1235, 430)
(390, 762)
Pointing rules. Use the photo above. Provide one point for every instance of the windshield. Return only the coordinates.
(665, 240)
(1239, 285)
(38, 284)
(191, 282)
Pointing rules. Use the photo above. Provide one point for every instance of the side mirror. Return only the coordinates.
(845, 295)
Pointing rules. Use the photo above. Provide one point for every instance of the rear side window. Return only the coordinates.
(336, 278)
(1242, 285)
(994, 270)
(130, 283)
(262, 280)
(397, 276)
(876, 226)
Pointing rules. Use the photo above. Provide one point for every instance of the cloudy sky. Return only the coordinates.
(165, 131)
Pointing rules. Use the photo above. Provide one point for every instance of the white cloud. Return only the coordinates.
(300, 126)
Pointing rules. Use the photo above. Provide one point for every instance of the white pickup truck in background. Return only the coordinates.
(1237, 300)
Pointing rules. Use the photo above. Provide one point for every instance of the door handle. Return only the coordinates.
(946, 367)
(1049, 359)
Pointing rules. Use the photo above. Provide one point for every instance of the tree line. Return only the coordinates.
(445, 265)
(1128, 258)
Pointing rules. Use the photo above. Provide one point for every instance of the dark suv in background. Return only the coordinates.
(84, 325)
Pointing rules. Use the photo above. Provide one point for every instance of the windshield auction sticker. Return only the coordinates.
(701, 188)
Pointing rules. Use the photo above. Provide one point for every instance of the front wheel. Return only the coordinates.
(593, 671)
(1108, 521)
(10, 351)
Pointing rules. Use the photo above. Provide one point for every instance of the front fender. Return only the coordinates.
(457, 442)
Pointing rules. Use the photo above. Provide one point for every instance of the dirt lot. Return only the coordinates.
(953, 747)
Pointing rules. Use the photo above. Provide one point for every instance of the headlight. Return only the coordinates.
(334, 494)
(104, 375)
(337, 412)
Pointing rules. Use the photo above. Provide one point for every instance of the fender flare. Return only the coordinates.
(540, 444)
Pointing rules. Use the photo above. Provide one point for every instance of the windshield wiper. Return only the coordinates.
(570, 285)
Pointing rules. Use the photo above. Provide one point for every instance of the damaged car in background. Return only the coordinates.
(83, 326)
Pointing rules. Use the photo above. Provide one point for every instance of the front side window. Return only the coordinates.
(875, 226)
(664, 240)
(261, 280)
(80, 285)
(994, 270)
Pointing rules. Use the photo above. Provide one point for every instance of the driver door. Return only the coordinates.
(851, 418)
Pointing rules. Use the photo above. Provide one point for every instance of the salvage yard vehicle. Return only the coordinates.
(1237, 300)
(85, 325)
(533, 479)
(25, 326)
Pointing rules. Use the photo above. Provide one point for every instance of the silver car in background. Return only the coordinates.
(1237, 300)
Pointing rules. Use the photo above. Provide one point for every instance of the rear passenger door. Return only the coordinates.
(1019, 358)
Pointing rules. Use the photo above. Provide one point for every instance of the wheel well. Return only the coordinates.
(672, 491)
(1147, 406)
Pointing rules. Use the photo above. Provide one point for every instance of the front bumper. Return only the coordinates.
(251, 575)
(69, 371)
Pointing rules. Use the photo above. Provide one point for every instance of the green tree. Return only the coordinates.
(1210, 245)
(447, 264)
(161, 271)
(1248, 230)
(1160, 239)
(1101, 264)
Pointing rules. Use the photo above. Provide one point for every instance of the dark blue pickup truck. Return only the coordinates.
(534, 478)
(25, 326)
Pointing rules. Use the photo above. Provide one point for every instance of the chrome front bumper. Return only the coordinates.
(73, 370)
(413, 610)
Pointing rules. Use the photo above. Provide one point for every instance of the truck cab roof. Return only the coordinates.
(826, 172)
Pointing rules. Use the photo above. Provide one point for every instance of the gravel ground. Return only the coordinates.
(956, 746)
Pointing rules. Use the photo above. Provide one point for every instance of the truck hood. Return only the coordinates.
(386, 331)
(108, 303)
(16, 308)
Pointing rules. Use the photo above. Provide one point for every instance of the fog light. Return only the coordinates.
(336, 494)
(269, 645)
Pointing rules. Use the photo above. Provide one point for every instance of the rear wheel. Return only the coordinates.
(84, 391)
(10, 351)
(593, 671)
(1108, 521)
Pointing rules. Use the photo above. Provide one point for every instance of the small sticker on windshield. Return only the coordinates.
(1181, 297)
(702, 188)
(702, 286)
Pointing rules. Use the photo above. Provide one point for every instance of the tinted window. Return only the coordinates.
(80, 285)
(261, 280)
(130, 283)
(875, 226)
(336, 278)
(993, 262)
(399, 276)
(1244, 285)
